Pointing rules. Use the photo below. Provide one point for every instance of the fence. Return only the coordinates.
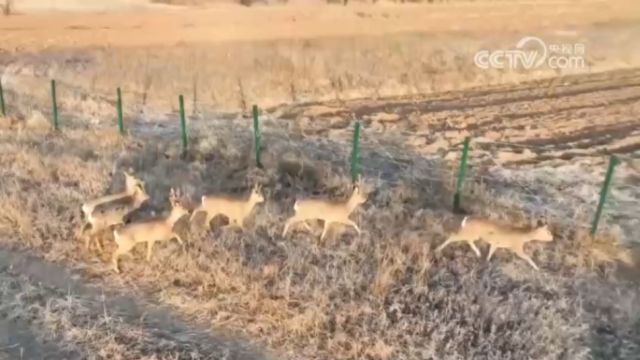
(460, 178)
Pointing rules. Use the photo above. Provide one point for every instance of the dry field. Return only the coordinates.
(541, 140)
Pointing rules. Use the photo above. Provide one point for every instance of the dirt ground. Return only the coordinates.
(171, 27)
(76, 320)
(540, 145)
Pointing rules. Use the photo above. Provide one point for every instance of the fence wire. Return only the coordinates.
(380, 156)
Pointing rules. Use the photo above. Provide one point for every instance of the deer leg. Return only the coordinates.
(474, 248)
(87, 241)
(292, 220)
(87, 237)
(306, 226)
(175, 235)
(450, 240)
(124, 246)
(351, 223)
(114, 262)
(116, 255)
(98, 241)
(149, 247)
(95, 237)
(324, 231)
(492, 249)
(522, 255)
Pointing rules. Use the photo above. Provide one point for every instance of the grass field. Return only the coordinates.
(541, 141)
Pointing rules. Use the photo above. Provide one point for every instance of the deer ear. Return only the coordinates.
(172, 196)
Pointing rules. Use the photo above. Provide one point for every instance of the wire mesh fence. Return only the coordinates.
(188, 121)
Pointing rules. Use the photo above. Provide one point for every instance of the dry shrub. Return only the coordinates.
(390, 269)
(34, 121)
(13, 219)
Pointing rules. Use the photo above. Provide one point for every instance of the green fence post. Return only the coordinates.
(119, 108)
(55, 104)
(257, 135)
(2, 107)
(462, 171)
(355, 152)
(613, 161)
(183, 125)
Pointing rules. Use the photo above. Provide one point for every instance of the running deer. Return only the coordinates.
(330, 211)
(234, 208)
(499, 236)
(112, 213)
(131, 183)
(148, 231)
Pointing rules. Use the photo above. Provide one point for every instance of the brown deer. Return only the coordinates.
(235, 208)
(330, 211)
(131, 183)
(149, 231)
(499, 236)
(112, 213)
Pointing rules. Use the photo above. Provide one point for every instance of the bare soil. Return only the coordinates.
(171, 27)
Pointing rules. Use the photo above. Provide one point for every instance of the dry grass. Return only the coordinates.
(383, 295)
(63, 325)
(233, 76)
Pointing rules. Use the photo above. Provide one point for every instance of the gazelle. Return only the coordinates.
(499, 236)
(131, 183)
(149, 231)
(108, 214)
(235, 208)
(330, 211)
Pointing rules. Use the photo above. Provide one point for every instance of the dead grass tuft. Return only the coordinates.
(391, 268)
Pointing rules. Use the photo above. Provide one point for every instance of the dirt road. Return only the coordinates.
(51, 312)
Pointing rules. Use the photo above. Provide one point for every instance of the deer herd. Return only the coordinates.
(110, 213)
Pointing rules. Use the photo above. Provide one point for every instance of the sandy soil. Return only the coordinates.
(234, 23)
